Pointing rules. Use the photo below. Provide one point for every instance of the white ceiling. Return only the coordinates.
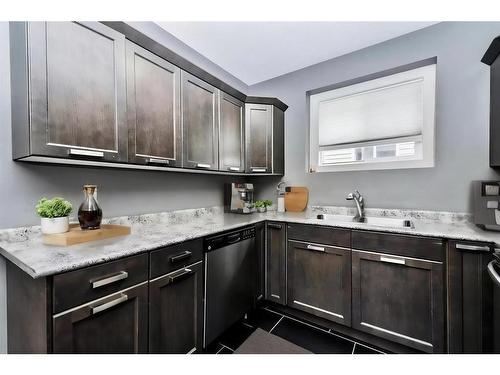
(257, 51)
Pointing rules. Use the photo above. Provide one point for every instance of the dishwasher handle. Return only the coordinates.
(495, 277)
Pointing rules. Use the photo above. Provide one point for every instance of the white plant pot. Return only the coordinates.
(55, 225)
(261, 209)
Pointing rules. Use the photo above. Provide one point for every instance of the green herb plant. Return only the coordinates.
(55, 207)
(264, 203)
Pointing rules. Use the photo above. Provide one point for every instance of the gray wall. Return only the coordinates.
(121, 192)
(462, 120)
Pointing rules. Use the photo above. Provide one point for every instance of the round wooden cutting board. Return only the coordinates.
(296, 198)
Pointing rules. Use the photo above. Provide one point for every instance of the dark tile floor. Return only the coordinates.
(311, 337)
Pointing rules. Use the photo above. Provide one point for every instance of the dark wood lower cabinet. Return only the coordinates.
(319, 280)
(276, 262)
(176, 311)
(400, 299)
(115, 324)
(470, 298)
(260, 245)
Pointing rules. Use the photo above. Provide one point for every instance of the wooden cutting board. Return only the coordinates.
(296, 198)
(75, 235)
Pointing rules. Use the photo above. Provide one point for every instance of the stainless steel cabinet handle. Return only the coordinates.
(315, 248)
(178, 257)
(108, 305)
(462, 246)
(108, 280)
(274, 226)
(201, 165)
(493, 273)
(95, 154)
(234, 169)
(185, 272)
(158, 161)
(255, 169)
(392, 260)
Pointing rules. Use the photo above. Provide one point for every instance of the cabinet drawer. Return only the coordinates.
(409, 246)
(319, 234)
(173, 257)
(77, 287)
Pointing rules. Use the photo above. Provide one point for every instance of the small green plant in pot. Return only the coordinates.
(54, 215)
(261, 206)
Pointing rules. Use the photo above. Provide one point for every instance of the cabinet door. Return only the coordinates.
(276, 262)
(319, 280)
(77, 90)
(400, 299)
(470, 295)
(116, 324)
(176, 311)
(231, 134)
(260, 244)
(199, 123)
(153, 103)
(259, 125)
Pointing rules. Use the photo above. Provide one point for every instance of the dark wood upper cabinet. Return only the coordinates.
(319, 280)
(200, 123)
(176, 311)
(153, 104)
(276, 262)
(491, 58)
(469, 298)
(116, 324)
(399, 299)
(231, 134)
(68, 91)
(259, 138)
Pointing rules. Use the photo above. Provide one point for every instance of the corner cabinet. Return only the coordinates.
(68, 91)
(264, 139)
(231, 134)
(276, 262)
(199, 123)
(153, 106)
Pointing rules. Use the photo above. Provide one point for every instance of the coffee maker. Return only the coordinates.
(238, 198)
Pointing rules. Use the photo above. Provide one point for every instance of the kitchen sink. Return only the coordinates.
(369, 220)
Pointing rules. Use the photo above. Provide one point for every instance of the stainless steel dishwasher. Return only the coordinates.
(230, 267)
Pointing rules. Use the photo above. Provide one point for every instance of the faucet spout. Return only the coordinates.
(360, 205)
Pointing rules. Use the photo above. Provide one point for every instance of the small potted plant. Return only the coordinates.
(261, 206)
(54, 215)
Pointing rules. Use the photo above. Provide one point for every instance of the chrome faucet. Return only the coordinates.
(360, 205)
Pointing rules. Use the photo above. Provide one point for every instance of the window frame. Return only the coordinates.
(426, 70)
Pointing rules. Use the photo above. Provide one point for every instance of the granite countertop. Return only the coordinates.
(24, 247)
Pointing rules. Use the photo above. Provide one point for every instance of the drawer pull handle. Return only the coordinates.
(233, 169)
(179, 257)
(274, 226)
(178, 276)
(108, 280)
(201, 165)
(462, 246)
(158, 161)
(122, 298)
(95, 154)
(392, 260)
(253, 169)
(315, 248)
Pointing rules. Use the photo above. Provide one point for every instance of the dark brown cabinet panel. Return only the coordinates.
(200, 123)
(400, 299)
(173, 257)
(470, 296)
(260, 244)
(176, 311)
(320, 234)
(259, 128)
(75, 74)
(153, 104)
(231, 134)
(276, 262)
(115, 324)
(319, 280)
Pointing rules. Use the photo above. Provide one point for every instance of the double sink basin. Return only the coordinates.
(384, 222)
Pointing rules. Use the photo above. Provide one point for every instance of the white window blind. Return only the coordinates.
(382, 123)
(392, 111)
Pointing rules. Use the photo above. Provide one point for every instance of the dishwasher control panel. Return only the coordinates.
(230, 238)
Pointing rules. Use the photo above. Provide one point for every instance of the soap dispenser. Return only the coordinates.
(280, 190)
